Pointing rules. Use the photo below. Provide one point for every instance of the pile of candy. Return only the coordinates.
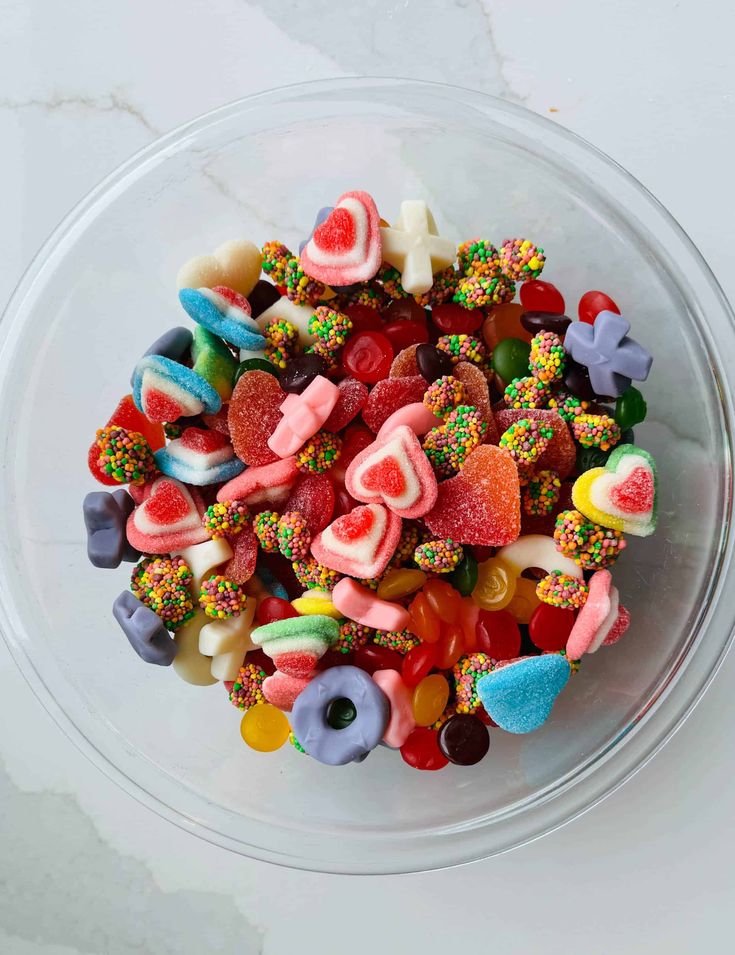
(372, 494)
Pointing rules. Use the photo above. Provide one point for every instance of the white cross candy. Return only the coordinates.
(413, 246)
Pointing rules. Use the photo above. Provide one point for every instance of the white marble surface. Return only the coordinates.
(84, 868)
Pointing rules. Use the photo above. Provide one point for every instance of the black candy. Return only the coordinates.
(432, 363)
(535, 322)
(577, 380)
(262, 297)
(464, 739)
(301, 372)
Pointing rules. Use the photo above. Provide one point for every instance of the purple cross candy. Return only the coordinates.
(105, 517)
(611, 358)
(143, 628)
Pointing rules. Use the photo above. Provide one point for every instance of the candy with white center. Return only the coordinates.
(360, 543)
(199, 457)
(346, 246)
(164, 390)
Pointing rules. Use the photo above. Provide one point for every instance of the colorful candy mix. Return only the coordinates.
(347, 522)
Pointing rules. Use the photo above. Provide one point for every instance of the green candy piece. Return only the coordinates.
(510, 358)
(464, 577)
(630, 408)
(254, 364)
(214, 361)
(341, 713)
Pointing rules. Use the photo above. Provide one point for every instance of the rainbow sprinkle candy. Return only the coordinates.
(526, 440)
(526, 393)
(247, 690)
(448, 446)
(265, 526)
(521, 260)
(588, 544)
(125, 455)
(293, 535)
(370, 294)
(444, 395)
(351, 636)
(438, 556)
(561, 590)
(319, 453)
(568, 406)
(281, 339)
(313, 575)
(541, 493)
(399, 640)
(222, 598)
(462, 348)
(329, 326)
(596, 431)
(403, 554)
(300, 287)
(324, 351)
(480, 291)
(443, 289)
(225, 519)
(162, 584)
(467, 671)
(547, 358)
(478, 257)
(390, 279)
(276, 257)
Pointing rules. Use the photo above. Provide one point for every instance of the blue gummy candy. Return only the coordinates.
(519, 696)
(205, 313)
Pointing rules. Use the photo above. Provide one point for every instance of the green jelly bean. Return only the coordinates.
(254, 364)
(213, 360)
(510, 359)
(464, 577)
(630, 408)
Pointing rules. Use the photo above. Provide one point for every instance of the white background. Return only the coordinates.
(84, 868)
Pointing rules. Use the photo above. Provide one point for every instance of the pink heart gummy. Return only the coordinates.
(347, 246)
(337, 233)
(168, 518)
(359, 543)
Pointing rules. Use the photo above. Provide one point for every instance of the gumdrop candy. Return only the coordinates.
(359, 543)
(482, 504)
(352, 396)
(388, 396)
(253, 416)
(405, 364)
(241, 566)
(313, 496)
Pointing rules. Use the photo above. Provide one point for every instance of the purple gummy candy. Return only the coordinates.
(611, 358)
(105, 517)
(321, 216)
(173, 344)
(335, 747)
(144, 629)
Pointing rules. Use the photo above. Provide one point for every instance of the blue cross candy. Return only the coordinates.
(611, 358)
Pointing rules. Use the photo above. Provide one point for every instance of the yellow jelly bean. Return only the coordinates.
(496, 584)
(264, 728)
(400, 583)
(430, 699)
(524, 600)
(308, 606)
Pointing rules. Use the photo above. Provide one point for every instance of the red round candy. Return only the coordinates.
(421, 750)
(549, 627)
(373, 657)
(453, 319)
(363, 318)
(538, 296)
(418, 663)
(274, 608)
(592, 303)
(368, 356)
(405, 310)
(497, 634)
(402, 334)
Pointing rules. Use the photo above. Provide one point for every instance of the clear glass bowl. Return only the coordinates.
(103, 287)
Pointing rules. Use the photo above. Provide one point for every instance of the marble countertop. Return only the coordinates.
(85, 870)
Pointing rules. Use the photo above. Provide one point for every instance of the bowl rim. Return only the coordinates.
(672, 702)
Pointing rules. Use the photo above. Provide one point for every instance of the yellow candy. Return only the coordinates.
(309, 605)
(524, 600)
(430, 699)
(496, 584)
(264, 728)
(400, 583)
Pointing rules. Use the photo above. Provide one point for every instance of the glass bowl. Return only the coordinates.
(103, 287)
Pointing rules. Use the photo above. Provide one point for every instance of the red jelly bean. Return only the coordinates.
(549, 627)
(402, 334)
(538, 296)
(421, 750)
(373, 657)
(592, 303)
(363, 318)
(368, 356)
(274, 608)
(418, 663)
(405, 310)
(453, 319)
(497, 635)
